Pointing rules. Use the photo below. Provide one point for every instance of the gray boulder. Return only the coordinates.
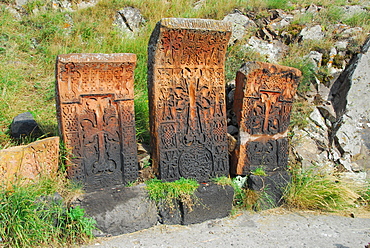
(273, 51)
(241, 25)
(312, 33)
(129, 20)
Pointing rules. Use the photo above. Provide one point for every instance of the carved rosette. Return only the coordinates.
(187, 99)
(263, 100)
(96, 117)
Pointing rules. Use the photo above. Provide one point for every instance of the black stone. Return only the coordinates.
(211, 201)
(24, 125)
(170, 213)
(271, 188)
(120, 210)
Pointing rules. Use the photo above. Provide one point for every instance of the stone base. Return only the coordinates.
(128, 209)
(210, 201)
(170, 215)
(271, 188)
(120, 210)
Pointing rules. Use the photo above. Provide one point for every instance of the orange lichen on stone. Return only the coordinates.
(95, 107)
(187, 98)
(27, 163)
(262, 104)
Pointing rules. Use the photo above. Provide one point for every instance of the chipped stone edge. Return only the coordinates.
(245, 137)
(97, 57)
(194, 23)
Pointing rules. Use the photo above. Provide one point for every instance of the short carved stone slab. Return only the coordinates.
(262, 104)
(27, 162)
(95, 107)
(187, 98)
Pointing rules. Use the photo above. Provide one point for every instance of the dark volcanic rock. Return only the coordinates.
(24, 125)
(211, 202)
(271, 188)
(170, 213)
(120, 210)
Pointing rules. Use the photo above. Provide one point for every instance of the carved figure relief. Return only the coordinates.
(96, 117)
(187, 99)
(263, 101)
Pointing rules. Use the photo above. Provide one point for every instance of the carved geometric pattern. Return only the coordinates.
(25, 164)
(271, 155)
(186, 98)
(96, 117)
(262, 103)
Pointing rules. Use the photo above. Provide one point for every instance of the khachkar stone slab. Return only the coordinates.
(262, 104)
(95, 106)
(26, 163)
(187, 98)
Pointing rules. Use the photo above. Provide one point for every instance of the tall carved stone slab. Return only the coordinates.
(95, 107)
(187, 98)
(262, 104)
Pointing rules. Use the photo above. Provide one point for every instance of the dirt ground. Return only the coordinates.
(271, 228)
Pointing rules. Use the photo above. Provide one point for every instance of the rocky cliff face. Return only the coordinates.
(349, 96)
(336, 135)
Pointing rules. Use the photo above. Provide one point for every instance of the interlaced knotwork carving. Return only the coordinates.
(187, 100)
(96, 117)
(263, 101)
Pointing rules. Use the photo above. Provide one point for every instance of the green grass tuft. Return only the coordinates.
(168, 192)
(159, 190)
(314, 191)
(30, 216)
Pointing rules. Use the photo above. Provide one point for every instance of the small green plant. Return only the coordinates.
(263, 200)
(236, 56)
(358, 20)
(318, 191)
(222, 181)
(77, 226)
(167, 192)
(240, 193)
(259, 172)
(302, 19)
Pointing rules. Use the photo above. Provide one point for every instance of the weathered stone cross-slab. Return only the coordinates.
(187, 98)
(95, 107)
(262, 104)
